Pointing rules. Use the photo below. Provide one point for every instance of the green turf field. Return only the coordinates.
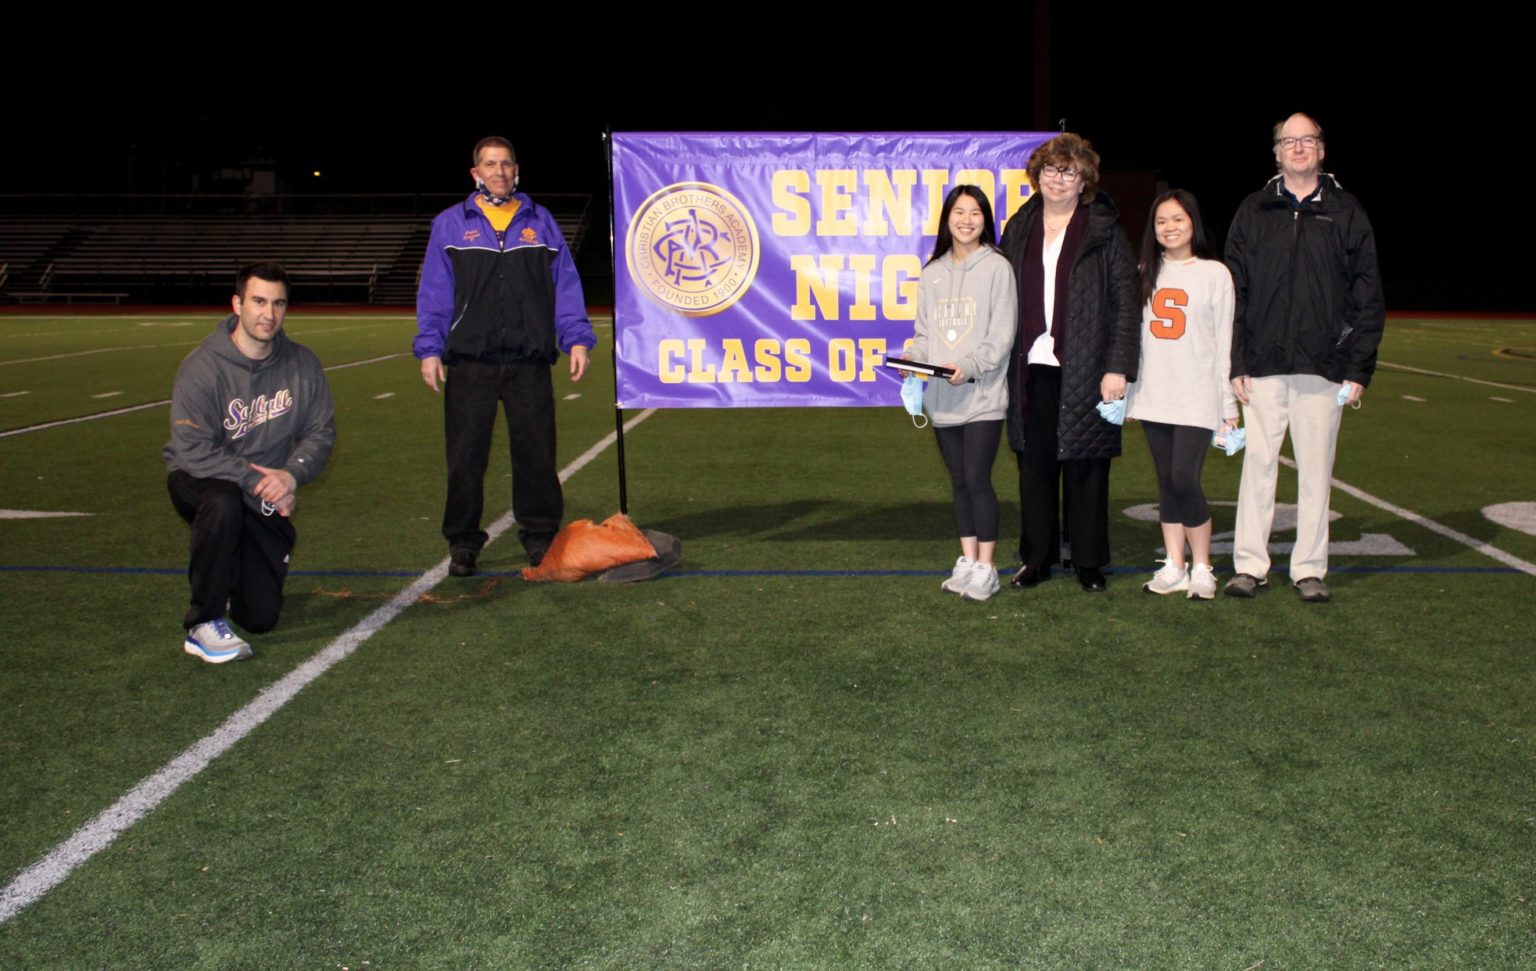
(795, 752)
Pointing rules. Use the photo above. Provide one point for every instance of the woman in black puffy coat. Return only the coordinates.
(1078, 343)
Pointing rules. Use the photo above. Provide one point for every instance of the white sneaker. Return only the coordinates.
(1202, 582)
(215, 643)
(958, 575)
(1170, 579)
(982, 582)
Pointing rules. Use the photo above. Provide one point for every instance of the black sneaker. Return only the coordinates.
(462, 563)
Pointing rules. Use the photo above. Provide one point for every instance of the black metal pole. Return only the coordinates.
(618, 412)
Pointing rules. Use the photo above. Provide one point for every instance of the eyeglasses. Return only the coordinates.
(1306, 141)
(1068, 176)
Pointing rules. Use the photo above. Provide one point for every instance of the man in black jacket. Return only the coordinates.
(1308, 320)
(499, 302)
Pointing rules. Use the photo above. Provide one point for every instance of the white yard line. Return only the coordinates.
(96, 835)
(59, 357)
(157, 404)
(1456, 377)
(1493, 552)
(75, 421)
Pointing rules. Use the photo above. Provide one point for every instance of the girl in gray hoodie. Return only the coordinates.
(966, 317)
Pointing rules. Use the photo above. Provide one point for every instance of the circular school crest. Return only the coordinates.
(693, 248)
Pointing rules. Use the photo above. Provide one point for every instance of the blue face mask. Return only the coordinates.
(912, 398)
(1113, 411)
(1232, 442)
(1343, 398)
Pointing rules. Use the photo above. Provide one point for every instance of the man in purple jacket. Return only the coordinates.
(499, 302)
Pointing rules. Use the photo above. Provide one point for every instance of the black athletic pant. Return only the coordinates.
(525, 392)
(1178, 452)
(969, 451)
(1044, 480)
(238, 554)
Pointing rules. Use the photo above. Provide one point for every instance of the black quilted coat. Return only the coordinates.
(1103, 331)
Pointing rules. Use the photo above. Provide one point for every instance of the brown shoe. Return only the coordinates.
(1313, 590)
(1245, 585)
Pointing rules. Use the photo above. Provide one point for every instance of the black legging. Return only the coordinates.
(969, 451)
(1178, 452)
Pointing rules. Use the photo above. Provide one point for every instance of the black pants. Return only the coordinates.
(969, 451)
(1045, 480)
(1178, 452)
(526, 394)
(238, 554)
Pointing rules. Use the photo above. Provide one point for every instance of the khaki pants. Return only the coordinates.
(1308, 404)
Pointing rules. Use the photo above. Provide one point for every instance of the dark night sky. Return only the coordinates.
(1400, 116)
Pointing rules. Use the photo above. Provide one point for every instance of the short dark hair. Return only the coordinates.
(493, 141)
(946, 239)
(1067, 151)
(270, 272)
(1152, 250)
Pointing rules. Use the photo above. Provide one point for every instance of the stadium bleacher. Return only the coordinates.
(333, 257)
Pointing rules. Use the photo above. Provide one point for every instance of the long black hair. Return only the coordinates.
(1152, 250)
(946, 239)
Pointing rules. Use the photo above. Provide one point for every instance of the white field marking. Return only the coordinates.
(1513, 515)
(371, 360)
(96, 835)
(173, 321)
(381, 397)
(573, 396)
(14, 394)
(1456, 377)
(1493, 552)
(75, 421)
(306, 331)
(38, 514)
(1507, 401)
(107, 394)
(1471, 338)
(165, 323)
(156, 404)
(57, 357)
(1409, 397)
(1369, 544)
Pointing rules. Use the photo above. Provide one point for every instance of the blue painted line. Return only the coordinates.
(682, 574)
(1112, 571)
(179, 571)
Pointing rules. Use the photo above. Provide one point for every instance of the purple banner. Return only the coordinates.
(768, 270)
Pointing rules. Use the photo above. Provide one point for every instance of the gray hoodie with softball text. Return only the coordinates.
(229, 412)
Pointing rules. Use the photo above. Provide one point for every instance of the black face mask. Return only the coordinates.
(492, 199)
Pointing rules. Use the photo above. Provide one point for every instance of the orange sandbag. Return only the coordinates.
(583, 548)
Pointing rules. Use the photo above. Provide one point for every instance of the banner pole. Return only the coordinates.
(618, 412)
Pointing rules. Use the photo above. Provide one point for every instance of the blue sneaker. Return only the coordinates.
(215, 643)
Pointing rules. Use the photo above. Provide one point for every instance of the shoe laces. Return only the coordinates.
(1169, 570)
(221, 627)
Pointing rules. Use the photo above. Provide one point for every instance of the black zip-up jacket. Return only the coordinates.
(1308, 289)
